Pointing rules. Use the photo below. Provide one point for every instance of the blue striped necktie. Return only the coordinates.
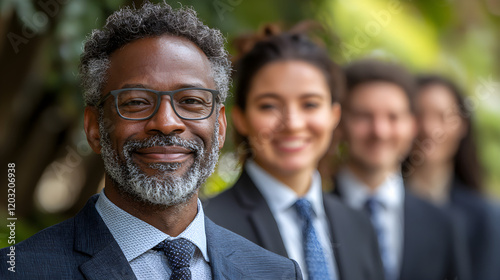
(317, 268)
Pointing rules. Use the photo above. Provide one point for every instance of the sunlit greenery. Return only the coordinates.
(455, 38)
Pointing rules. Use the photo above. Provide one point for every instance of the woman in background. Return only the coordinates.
(444, 168)
(287, 107)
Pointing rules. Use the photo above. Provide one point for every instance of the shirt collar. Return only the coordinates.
(390, 192)
(280, 197)
(135, 237)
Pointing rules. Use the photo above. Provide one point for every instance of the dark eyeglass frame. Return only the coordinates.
(159, 94)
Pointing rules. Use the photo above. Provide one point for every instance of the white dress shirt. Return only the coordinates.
(136, 239)
(281, 199)
(391, 194)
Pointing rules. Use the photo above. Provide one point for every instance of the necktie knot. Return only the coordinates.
(179, 253)
(373, 206)
(304, 209)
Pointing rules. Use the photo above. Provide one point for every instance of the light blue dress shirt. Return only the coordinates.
(391, 194)
(280, 199)
(136, 239)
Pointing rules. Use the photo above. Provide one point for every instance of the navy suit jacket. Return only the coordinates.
(478, 222)
(432, 250)
(83, 248)
(243, 210)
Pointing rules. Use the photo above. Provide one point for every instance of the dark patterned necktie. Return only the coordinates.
(373, 207)
(179, 253)
(317, 268)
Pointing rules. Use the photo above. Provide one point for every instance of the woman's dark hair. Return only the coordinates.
(467, 167)
(271, 47)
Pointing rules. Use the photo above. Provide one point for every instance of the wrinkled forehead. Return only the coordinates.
(163, 63)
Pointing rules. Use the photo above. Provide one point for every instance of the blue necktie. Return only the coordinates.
(179, 253)
(317, 268)
(373, 206)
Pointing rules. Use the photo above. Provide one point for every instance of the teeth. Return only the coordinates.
(292, 144)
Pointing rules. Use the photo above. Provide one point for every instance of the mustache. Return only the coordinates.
(159, 140)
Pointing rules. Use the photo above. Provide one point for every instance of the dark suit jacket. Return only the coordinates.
(480, 227)
(83, 248)
(243, 210)
(496, 245)
(431, 248)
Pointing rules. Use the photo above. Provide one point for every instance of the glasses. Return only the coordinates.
(142, 104)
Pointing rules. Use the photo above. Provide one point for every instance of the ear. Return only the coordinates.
(239, 121)
(222, 126)
(336, 113)
(91, 126)
(339, 133)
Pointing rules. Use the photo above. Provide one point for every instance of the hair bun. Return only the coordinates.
(244, 43)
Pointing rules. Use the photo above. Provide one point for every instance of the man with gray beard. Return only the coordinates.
(152, 189)
(155, 81)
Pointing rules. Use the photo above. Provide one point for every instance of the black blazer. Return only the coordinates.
(243, 210)
(479, 224)
(432, 249)
(84, 248)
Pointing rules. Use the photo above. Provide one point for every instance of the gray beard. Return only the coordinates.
(162, 189)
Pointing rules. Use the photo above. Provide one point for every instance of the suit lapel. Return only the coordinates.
(220, 256)
(109, 263)
(266, 228)
(336, 234)
(410, 234)
(336, 190)
(410, 231)
(93, 238)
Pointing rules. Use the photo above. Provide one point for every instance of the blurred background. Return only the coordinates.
(41, 111)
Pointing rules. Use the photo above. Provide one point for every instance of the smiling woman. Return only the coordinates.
(288, 121)
(287, 107)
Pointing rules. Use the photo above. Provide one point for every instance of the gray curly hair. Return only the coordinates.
(150, 20)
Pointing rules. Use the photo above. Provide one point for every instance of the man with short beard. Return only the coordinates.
(155, 81)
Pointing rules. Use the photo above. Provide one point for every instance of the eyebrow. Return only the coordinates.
(176, 86)
(277, 96)
(268, 95)
(309, 95)
(133, 86)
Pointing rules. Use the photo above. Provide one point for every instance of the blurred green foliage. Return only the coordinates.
(457, 38)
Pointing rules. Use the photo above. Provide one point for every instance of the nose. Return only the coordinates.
(381, 128)
(293, 120)
(165, 120)
(428, 126)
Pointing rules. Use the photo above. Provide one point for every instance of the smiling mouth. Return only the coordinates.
(163, 154)
(291, 145)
